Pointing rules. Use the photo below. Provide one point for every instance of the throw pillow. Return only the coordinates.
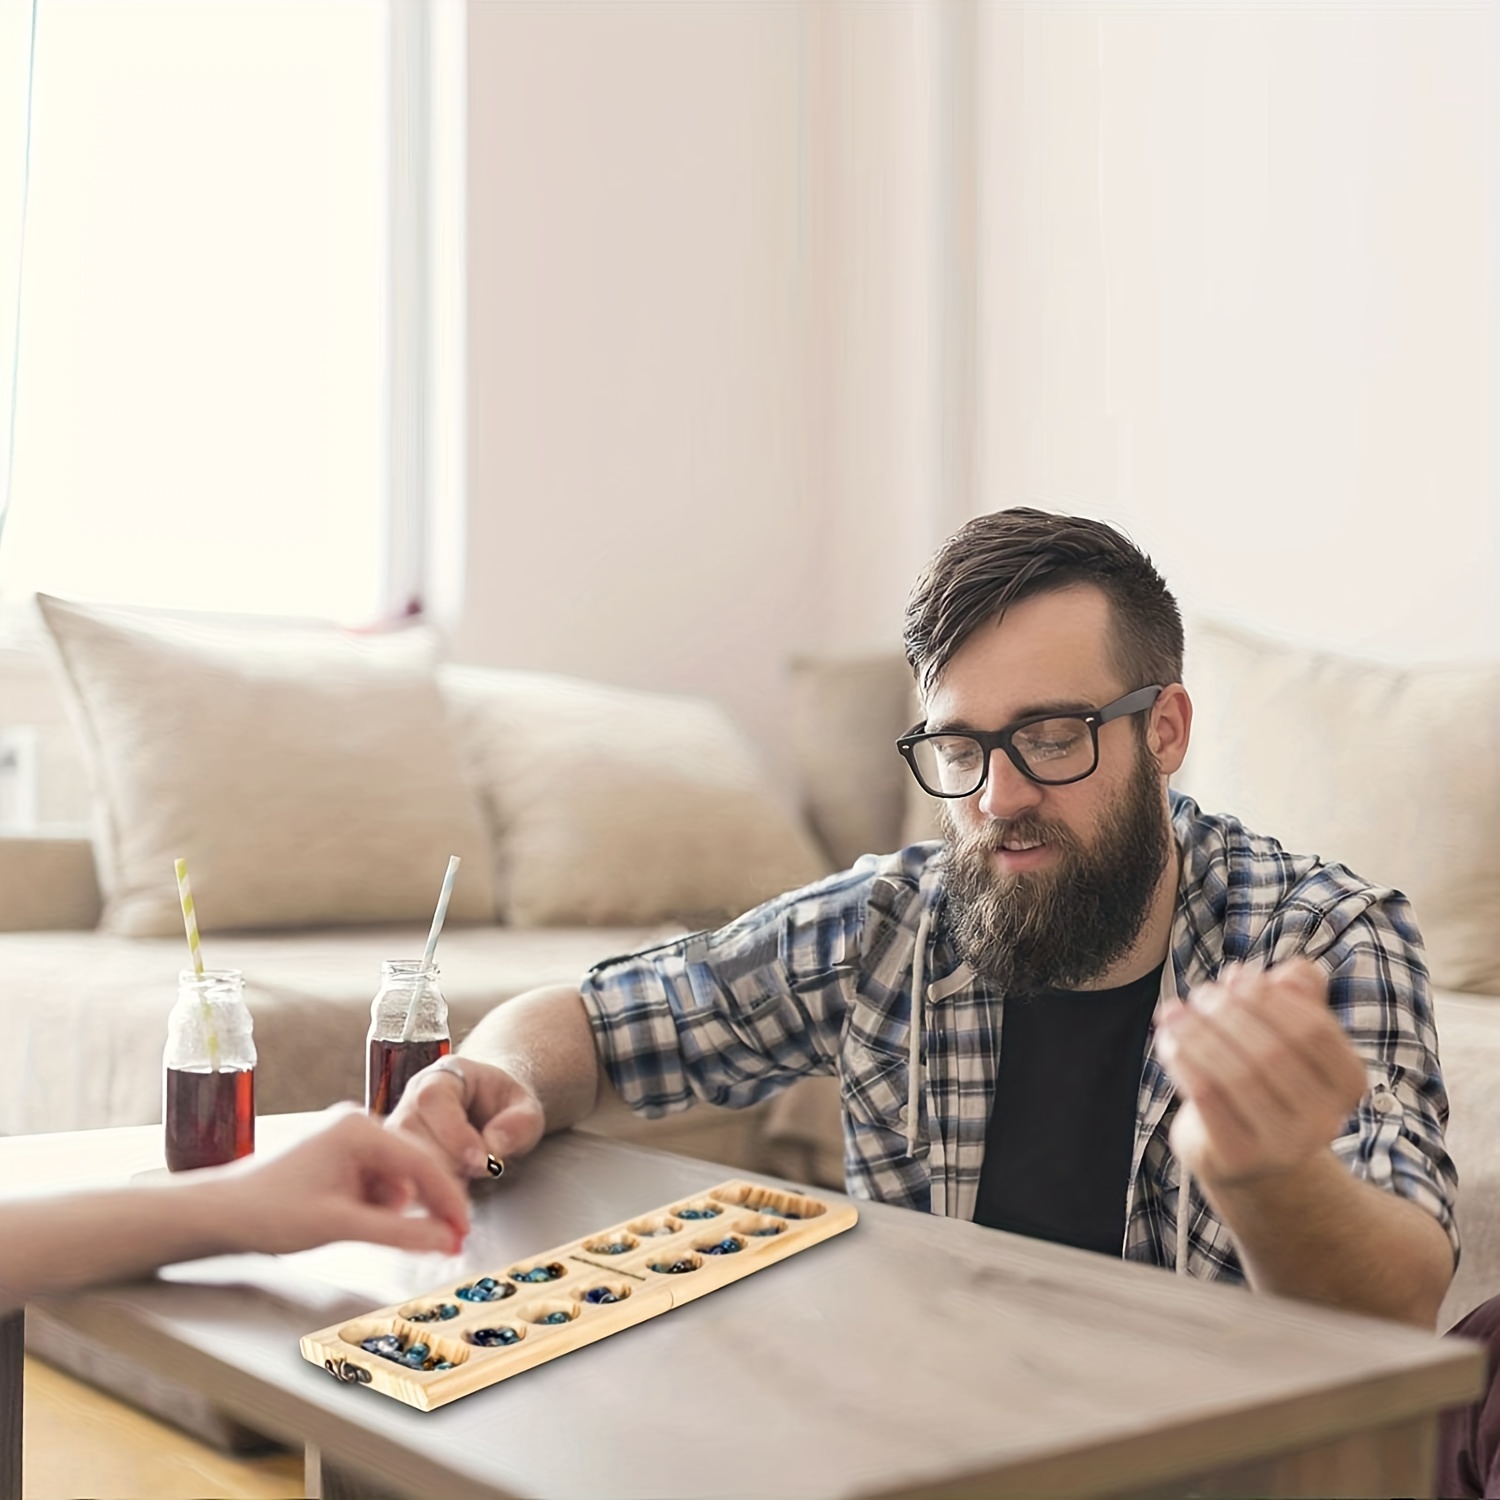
(845, 715)
(1390, 769)
(617, 807)
(305, 773)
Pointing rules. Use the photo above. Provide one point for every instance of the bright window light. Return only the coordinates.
(201, 416)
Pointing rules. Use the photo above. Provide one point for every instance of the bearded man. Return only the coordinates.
(1092, 1014)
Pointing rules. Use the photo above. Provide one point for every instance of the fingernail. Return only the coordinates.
(474, 1161)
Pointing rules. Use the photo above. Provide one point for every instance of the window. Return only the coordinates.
(205, 410)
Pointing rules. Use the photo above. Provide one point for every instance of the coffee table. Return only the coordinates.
(912, 1355)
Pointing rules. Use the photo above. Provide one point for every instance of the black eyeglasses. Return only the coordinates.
(1053, 749)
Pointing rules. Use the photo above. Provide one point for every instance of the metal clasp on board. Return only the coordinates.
(347, 1370)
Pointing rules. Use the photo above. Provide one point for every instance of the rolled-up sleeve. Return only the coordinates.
(731, 1016)
(1378, 987)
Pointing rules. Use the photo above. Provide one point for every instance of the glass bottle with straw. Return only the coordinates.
(408, 1017)
(208, 1066)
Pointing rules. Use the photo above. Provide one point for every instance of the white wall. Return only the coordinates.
(764, 299)
(638, 302)
(1240, 273)
(701, 418)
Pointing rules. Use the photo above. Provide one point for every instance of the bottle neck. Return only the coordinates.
(409, 1005)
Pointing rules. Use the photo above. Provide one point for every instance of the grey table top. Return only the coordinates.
(907, 1353)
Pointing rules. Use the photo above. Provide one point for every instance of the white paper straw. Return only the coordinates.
(432, 940)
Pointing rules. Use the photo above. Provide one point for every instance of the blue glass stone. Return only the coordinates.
(538, 1273)
(432, 1314)
(443, 1364)
(482, 1292)
(420, 1350)
(780, 1213)
(491, 1337)
(676, 1268)
(386, 1344)
(766, 1229)
(600, 1294)
(615, 1247)
(726, 1246)
(697, 1213)
(555, 1317)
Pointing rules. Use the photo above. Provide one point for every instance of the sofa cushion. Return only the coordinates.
(613, 807)
(1392, 770)
(304, 772)
(846, 712)
(47, 883)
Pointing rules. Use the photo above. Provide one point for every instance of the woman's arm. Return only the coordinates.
(353, 1180)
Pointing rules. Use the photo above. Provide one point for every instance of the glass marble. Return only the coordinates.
(538, 1273)
(494, 1337)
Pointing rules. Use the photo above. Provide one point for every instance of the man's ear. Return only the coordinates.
(1169, 728)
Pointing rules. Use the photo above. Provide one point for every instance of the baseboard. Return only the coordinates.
(180, 1406)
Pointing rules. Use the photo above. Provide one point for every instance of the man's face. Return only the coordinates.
(1049, 886)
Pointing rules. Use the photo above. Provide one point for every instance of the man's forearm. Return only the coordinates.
(1323, 1235)
(543, 1038)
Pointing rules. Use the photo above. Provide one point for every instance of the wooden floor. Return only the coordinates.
(79, 1442)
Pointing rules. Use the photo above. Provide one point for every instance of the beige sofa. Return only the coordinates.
(294, 767)
(602, 819)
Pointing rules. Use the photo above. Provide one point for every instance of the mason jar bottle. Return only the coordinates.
(208, 1067)
(397, 1049)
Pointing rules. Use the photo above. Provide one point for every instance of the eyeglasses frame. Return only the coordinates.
(989, 741)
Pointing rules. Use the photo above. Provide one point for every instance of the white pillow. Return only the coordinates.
(618, 807)
(1392, 770)
(305, 773)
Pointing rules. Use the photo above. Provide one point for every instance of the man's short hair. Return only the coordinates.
(994, 560)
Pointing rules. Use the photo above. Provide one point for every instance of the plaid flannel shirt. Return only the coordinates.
(820, 981)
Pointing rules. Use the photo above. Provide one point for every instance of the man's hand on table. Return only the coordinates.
(468, 1111)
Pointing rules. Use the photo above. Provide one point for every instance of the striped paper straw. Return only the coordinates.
(432, 939)
(189, 916)
(190, 922)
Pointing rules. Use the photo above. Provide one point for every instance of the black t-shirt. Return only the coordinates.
(1062, 1127)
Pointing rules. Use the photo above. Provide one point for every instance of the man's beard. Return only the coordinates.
(1063, 927)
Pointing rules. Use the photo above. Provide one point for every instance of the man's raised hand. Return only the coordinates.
(1266, 1074)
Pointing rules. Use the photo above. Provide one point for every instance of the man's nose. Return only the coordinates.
(1006, 792)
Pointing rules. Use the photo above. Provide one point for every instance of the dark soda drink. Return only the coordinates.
(391, 1066)
(210, 1117)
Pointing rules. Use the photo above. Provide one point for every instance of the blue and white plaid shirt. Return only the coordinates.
(821, 981)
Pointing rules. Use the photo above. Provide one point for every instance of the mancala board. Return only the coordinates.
(432, 1349)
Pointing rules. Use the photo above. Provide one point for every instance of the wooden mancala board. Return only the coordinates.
(433, 1349)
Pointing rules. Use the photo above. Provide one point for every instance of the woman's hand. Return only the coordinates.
(353, 1180)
